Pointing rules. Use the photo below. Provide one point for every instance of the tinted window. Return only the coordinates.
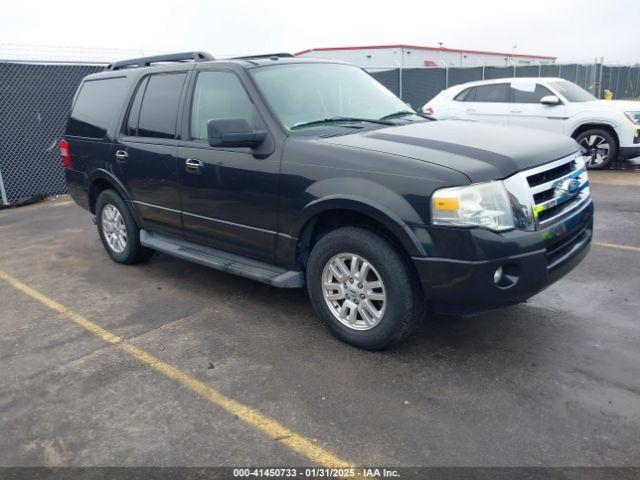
(159, 108)
(218, 95)
(97, 102)
(528, 92)
(464, 96)
(134, 112)
(498, 92)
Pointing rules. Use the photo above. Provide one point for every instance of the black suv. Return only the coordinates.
(299, 172)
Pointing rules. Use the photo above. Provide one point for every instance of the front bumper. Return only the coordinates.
(630, 145)
(630, 152)
(467, 286)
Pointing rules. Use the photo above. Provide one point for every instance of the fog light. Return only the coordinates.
(497, 276)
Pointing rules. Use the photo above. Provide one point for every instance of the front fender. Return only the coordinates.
(389, 208)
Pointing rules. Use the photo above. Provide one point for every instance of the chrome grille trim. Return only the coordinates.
(570, 208)
(529, 214)
(548, 185)
(551, 165)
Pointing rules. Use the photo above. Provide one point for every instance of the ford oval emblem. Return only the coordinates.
(569, 187)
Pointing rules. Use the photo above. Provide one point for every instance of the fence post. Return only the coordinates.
(3, 194)
(627, 88)
(597, 78)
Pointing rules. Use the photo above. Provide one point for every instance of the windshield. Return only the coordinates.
(302, 93)
(572, 92)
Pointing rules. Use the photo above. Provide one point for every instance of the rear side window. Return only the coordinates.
(134, 113)
(159, 106)
(97, 103)
(528, 93)
(497, 92)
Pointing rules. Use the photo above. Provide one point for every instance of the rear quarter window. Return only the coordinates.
(97, 103)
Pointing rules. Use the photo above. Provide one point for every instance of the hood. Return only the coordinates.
(480, 151)
(617, 105)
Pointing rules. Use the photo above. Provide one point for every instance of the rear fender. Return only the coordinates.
(101, 174)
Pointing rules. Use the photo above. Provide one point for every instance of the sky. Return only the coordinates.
(573, 31)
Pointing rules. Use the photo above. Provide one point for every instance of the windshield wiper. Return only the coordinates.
(340, 119)
(403, 113)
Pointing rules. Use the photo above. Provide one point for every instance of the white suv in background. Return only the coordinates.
(604, 129)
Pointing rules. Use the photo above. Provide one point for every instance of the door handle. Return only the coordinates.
(470, 110)
(121, 155)
(193, 165)
(516, 111)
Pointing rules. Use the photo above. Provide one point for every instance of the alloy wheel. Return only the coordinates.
(595, 148)
(113, 228)
(354, 291)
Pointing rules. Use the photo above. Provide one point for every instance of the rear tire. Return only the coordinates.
(118, 230)
(371, 307)
(599, 148)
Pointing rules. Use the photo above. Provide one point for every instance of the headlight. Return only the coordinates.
(481, 205)
(634, 117)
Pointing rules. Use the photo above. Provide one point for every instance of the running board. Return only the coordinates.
(221, 260)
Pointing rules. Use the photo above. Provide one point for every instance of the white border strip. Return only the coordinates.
(3, 194)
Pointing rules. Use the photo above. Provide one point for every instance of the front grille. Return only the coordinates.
(557, 189)
(548, 175)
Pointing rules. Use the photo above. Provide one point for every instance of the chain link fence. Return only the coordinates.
(36, 98)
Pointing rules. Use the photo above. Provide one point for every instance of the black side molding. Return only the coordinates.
(220, 260)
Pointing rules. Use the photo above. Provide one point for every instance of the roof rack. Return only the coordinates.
(264, 55)
(171, 57)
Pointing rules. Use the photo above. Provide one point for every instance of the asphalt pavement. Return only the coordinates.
(170, 363)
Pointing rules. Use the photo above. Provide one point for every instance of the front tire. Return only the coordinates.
(363, 289)
(598, 147)
(118, 230)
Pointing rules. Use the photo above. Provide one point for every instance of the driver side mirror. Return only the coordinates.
(234, 132)
(550, 100)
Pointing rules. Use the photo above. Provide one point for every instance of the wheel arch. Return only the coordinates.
(329, 213)
(101, 180)
(597, 126)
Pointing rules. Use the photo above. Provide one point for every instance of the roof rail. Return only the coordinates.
(264, 55)
(170, 57)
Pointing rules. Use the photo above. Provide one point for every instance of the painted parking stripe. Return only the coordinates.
(617, 246)
(270, 427)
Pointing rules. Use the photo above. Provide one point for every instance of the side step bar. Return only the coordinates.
(220, 260)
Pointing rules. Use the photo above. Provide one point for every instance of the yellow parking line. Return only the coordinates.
(618, 246)
(270, 427)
